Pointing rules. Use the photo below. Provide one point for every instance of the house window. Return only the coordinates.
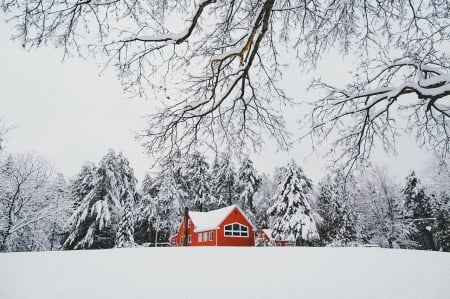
(189, 223)
(205, 236)
(236, 230)
(200, 239)
(211, 236)
(189, 239)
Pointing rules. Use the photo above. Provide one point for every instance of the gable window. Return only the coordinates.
(189, 239)
(200, 239)
(211, 236)
(236, 230)
(189, 223)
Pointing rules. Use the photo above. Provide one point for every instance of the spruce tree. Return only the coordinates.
(264, 200)
(441, 227)
(223, 181)
(292, 217)
(197, 177)
(249, 184)
(418, 209)
(127, 193)
(334, 204)
(103, 216)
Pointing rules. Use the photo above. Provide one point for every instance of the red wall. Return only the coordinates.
(234, 216)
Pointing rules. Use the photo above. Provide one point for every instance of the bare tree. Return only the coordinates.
(23, 182)
(4, 129)
(220, 75)
(381, 211)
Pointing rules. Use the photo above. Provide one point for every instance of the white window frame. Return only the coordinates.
(232, 231)
(189, 223)
(189, 239)
(200, 237)
(205, 236)
(211, 235)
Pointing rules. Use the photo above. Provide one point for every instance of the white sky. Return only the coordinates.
(69, 113)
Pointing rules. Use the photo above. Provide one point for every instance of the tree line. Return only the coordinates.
(102, 206)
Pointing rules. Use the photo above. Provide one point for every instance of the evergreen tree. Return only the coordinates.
(143, 230)
(441, 227)
(83, 183)
(196, 174)
(59, 195)
(127, 193)
(249, 184)
(338, 217)
(223, 181)
(292, 217)
(418, 208)
(103, 217)
(264, 200)
(151, 185)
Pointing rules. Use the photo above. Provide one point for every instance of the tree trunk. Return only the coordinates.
(185, 222)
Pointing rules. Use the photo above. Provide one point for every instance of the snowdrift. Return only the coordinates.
(219, 272)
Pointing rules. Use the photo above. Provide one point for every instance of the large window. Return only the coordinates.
(236, 230)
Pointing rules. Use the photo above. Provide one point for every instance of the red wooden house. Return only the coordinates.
(266, 234)
(223, 227)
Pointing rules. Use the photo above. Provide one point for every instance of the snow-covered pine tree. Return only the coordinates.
(103, 210)
(150, 185)
(335, 208)
(163, 211)
(143, 232)
(223, 181)
(58, 193)
(263, 200)
(83, 183)
(292, 217)
(196, 174)
(441, 227)
(418, 209)
(249, 183)
(128, 194)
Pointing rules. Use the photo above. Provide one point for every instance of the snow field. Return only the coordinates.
(226, 272)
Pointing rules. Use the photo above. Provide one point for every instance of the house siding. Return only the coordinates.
(219, 238)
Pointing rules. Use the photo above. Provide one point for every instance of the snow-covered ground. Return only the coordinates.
(218, 272)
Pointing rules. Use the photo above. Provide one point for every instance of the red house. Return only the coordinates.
(266, 234)
(223, 227)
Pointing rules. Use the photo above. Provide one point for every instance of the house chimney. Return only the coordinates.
(185, 222)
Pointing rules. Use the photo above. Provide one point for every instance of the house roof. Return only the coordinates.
(204, 221)
(268, 233)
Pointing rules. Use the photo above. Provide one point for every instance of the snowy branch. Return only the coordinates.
(360, 115)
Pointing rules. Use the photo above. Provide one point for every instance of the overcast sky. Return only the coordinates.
(71, 114)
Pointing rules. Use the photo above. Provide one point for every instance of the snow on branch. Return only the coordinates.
(361, 115)
(219, 78)
(175, 38)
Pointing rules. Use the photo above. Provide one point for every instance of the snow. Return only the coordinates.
(211, 220)
(268, 233)
(226, 272)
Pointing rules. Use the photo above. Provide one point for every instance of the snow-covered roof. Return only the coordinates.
(204, 221)
(268, 233)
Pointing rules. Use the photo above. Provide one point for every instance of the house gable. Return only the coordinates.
(223, 227)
